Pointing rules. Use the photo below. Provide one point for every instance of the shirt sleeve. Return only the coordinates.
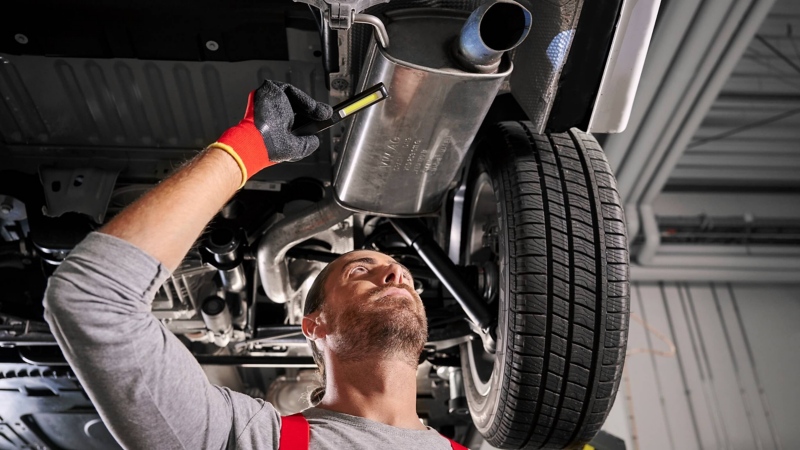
(147, 387)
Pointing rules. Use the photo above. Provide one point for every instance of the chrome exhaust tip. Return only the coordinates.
(491, 30)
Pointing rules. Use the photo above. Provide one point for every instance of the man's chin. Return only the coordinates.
(387, 327)
(394, 301)
(393, 311)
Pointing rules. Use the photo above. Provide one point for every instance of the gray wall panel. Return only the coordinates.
(771, 321)
(763, 434)
(733, 380)
(720, 367)
(684, 435)
(699, 408)
(650, 420)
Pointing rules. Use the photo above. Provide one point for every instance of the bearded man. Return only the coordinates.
(364, 321)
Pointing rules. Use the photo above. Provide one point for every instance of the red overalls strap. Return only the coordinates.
(295, 434)
(455, 445)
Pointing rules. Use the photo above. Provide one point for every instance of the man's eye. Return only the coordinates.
(358, 269)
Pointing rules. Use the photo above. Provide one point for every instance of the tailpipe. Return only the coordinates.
(491, 30)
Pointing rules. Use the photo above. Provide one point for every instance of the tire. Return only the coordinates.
(562, 288)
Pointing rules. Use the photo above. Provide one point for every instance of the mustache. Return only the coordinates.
(376, 292)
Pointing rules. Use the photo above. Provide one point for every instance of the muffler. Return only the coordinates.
(443, 69)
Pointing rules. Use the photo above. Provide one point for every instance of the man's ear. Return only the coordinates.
(313, 326)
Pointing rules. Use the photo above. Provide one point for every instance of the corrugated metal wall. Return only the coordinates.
(732, 380)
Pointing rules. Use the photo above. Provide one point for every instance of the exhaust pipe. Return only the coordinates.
(443, 69)
(491, 30)
(287, 233)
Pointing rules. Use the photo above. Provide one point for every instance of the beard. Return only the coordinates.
(378, 326)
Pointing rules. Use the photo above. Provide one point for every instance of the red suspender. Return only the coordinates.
(456, 445)
(295, 434)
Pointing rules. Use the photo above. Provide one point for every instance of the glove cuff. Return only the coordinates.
(246, 146)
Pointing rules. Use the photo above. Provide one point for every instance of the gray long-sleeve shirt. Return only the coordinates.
(149, 390)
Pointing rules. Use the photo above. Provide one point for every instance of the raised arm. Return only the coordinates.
(167, 220)
(147, 387)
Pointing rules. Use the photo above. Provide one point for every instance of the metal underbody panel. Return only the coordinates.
(139, 117)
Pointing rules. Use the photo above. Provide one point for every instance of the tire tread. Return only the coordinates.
(569, 295)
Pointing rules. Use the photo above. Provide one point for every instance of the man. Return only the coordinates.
(365, 322)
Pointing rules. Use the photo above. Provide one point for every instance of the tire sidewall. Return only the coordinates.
(484, 409)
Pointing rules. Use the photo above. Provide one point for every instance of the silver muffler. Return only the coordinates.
(443, 69)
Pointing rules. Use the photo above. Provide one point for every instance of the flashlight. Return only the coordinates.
(360, 102)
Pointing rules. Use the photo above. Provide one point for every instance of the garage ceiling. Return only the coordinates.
(709, 165)
(750, 138)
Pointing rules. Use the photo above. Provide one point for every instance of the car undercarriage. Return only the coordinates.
(478, 173)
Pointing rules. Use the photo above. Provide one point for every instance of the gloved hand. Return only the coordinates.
(263, 138)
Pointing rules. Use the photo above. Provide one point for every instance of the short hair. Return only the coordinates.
(314, 301)
(316, 295)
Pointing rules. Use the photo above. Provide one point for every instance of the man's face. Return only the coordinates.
(372, 310)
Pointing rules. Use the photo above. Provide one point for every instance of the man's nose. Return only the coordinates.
(394, 274)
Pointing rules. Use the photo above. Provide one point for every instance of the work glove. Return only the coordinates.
(264, 138)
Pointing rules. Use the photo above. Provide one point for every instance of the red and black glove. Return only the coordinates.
(263, 138)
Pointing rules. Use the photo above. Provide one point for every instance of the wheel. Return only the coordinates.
(543, 210)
